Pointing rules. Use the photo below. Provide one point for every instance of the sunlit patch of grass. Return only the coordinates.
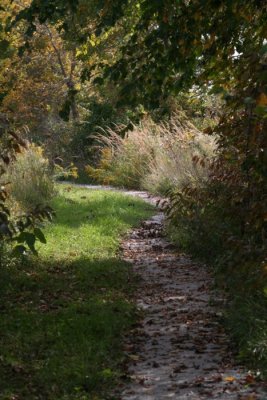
(63, 314)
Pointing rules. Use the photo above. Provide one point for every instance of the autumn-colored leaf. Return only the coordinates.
(262, 100)
(250, 379)
(229, 379)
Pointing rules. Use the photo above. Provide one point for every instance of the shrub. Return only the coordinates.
(219, 223)
(31, 184)
(153, 156)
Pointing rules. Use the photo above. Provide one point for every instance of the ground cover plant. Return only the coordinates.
(63, 314)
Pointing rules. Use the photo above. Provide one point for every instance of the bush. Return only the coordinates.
(152, 156)
(98, 114)
(31, 183)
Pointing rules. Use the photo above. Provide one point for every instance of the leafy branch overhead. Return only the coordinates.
(167, 46)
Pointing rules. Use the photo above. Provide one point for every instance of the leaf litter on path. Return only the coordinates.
(179, 351)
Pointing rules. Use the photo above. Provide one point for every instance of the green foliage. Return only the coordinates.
(164, 54)
(247, 324)
(215, 224)
(64, 314)
(99, 115)
(201, 107)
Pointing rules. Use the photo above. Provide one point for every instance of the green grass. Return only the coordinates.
(63, 314)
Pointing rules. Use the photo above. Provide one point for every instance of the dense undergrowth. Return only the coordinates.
(63, 314)
(212, 235)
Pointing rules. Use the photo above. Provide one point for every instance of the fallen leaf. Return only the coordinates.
(250, 379)
(134, 357)
(262, 99)
(229, 379)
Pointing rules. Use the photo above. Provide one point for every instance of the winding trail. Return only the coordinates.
(179, 350)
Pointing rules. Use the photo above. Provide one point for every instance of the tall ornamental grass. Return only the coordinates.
(30, 180)
(155, 157)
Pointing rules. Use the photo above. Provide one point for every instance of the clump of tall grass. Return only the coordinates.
(30, 179)
(151, 156)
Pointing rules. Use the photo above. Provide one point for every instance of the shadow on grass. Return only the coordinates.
(63, 314)
(61, 328)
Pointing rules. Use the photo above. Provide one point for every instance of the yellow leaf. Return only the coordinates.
(262, 100)
(229, 379)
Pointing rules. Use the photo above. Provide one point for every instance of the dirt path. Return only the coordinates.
(179, 351)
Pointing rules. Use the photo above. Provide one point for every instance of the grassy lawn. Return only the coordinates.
(63, 313)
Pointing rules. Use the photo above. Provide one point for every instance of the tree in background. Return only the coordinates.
(39, 79)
